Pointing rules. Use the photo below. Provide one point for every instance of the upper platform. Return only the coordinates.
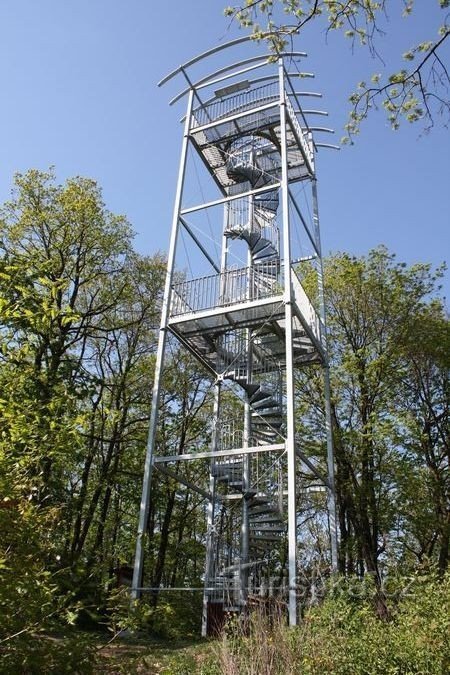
(252, 112)
(245, 99)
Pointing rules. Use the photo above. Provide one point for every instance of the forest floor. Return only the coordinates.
(151, 657)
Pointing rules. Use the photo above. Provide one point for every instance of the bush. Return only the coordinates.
(177, 615)
(35, 616)
(344, 636)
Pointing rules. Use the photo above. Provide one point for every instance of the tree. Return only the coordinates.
(79, 315)
(423, 404)
(119, 358)
(389, 365)
(417, 91)
(60, 251)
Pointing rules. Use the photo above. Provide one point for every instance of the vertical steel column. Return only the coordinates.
(245, 507)
(211, 511)
(245, 528)
(225, 246)
(331, 488)
(290, 419)
(146, 486)
(224, 255)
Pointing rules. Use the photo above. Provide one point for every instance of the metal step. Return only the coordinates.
(263, 509)
(259, 395)
(267, 201)
(264, 217)
(267, 417)
(260, 247)
(268, 402)
(262, 431)
(224, 576)
(262, 425)
(265, 519)
(269, 529)
(258, 500)
(222, 468)
(266, 438)
(249, 387)
(264, 537)
(250, 493)
(263, 252)
(241, 566)
(266, 426)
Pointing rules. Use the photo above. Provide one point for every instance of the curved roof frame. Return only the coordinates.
(209, 80)
(204, 55)
(257, 62)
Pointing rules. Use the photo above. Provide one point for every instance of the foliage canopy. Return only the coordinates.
(416, 91)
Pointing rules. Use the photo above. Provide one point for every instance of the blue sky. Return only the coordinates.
(79, 92)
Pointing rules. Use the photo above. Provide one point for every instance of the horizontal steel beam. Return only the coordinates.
(277, 447)
(230, 198)
(243, 306)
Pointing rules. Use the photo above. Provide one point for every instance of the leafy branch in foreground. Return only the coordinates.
(417, 92)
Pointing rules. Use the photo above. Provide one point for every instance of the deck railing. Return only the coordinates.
(227, 288)
(234, 104)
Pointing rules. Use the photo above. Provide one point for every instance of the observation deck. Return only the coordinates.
(256, 111)
(204, 309)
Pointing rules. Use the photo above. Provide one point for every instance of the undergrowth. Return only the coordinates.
(344, 636)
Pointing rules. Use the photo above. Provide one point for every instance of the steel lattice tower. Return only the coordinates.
(251, 325)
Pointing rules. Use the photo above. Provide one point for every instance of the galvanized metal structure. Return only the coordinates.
(251, 325)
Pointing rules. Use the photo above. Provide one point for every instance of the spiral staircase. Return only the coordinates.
(234, 323)
(252, 221)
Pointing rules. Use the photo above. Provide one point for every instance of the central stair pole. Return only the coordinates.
(245, 534)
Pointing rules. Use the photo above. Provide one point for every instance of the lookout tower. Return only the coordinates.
(245, 316)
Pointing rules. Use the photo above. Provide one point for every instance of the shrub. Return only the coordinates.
(345, 636)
